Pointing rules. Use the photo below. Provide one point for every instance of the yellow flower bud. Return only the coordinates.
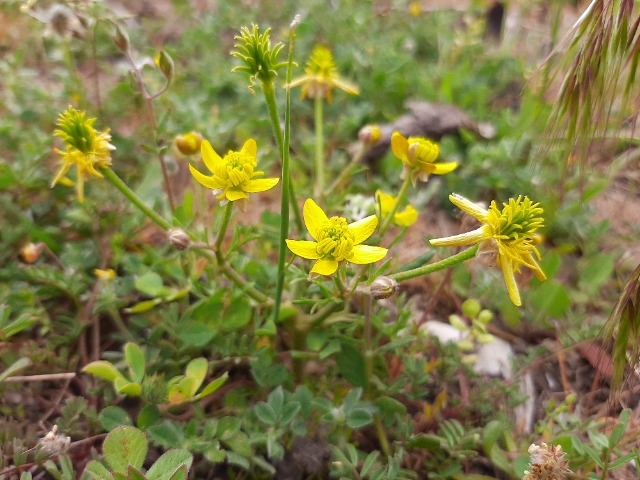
(188, 143)
(369, 134)
(30, 252)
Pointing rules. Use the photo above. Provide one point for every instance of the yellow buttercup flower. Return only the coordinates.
(86, 148)
(234, 175)
(419, 156)
(335, 240)
(321, 76)
(384, 204)
(511, 233)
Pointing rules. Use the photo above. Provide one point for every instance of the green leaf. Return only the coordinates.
(620, 428)
(359, 417)
(266, 414)
(149, 415)
(112, 417)
(239, 460)
(135, 359)
(15, 367)
(550, 298)
(180, 474)
(368, 463)
(238, 315)
(197, 334)
(143, 306)
(424, 441)
(97, 471)
(197, 371)
(213, 386)
(149, 283)
(125, 446)
(167, 434)
(134, 474)
(102, 369)
(595, 271)
(168, 463)
(125, 387)
(351, 364)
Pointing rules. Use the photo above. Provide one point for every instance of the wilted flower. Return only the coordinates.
(419, 156)
(385, 202)
(86, 148)
(234, 175)
(335, 240)
(54, 443)
(321, 76)
(510, 231)
(547, 463)
(179, 238)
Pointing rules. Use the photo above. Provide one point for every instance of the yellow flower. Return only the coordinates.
(335, 240)
(419, 156)
(511, 233)
(321, 75)
(234, 175)
(105, 275)
(384, 203)
(86, 148)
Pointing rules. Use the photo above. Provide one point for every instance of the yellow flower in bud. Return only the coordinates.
(188, 143)
(511, 234)
(86, 148)
(234, 174)
(336, 241)
(419, 156)
(369, 134)
(384, 204)
(30, 252)
(321, 76)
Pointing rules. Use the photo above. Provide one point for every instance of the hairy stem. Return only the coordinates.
(434, 267)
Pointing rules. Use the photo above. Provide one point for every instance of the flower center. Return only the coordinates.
(422, 151)
(237, 168)
(335, 240)
(517, 221)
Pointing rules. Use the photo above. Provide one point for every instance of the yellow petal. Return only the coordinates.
(385, 201)
(407, 217)
(325, 266)
(469, 207)
(444, 168)
(261, 185)
(469, 238)
(314, 217)
(399, 146)
(362, 229)
(297, 82)
(345, 85)
(250, 148)
(304, 248)
(233, 195)
(510, 279)
(206, 180)
(209, 155)
(364, 254)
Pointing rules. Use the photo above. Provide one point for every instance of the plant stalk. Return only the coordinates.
(434, 267)
(404, 189)
(319, 149)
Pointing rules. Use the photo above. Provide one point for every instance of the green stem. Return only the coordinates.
(319, 152)
(222, 231)
(434, 267)
(368, 366)
(270, 98)
(288, 195)
(399, 199)
(117, 182)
